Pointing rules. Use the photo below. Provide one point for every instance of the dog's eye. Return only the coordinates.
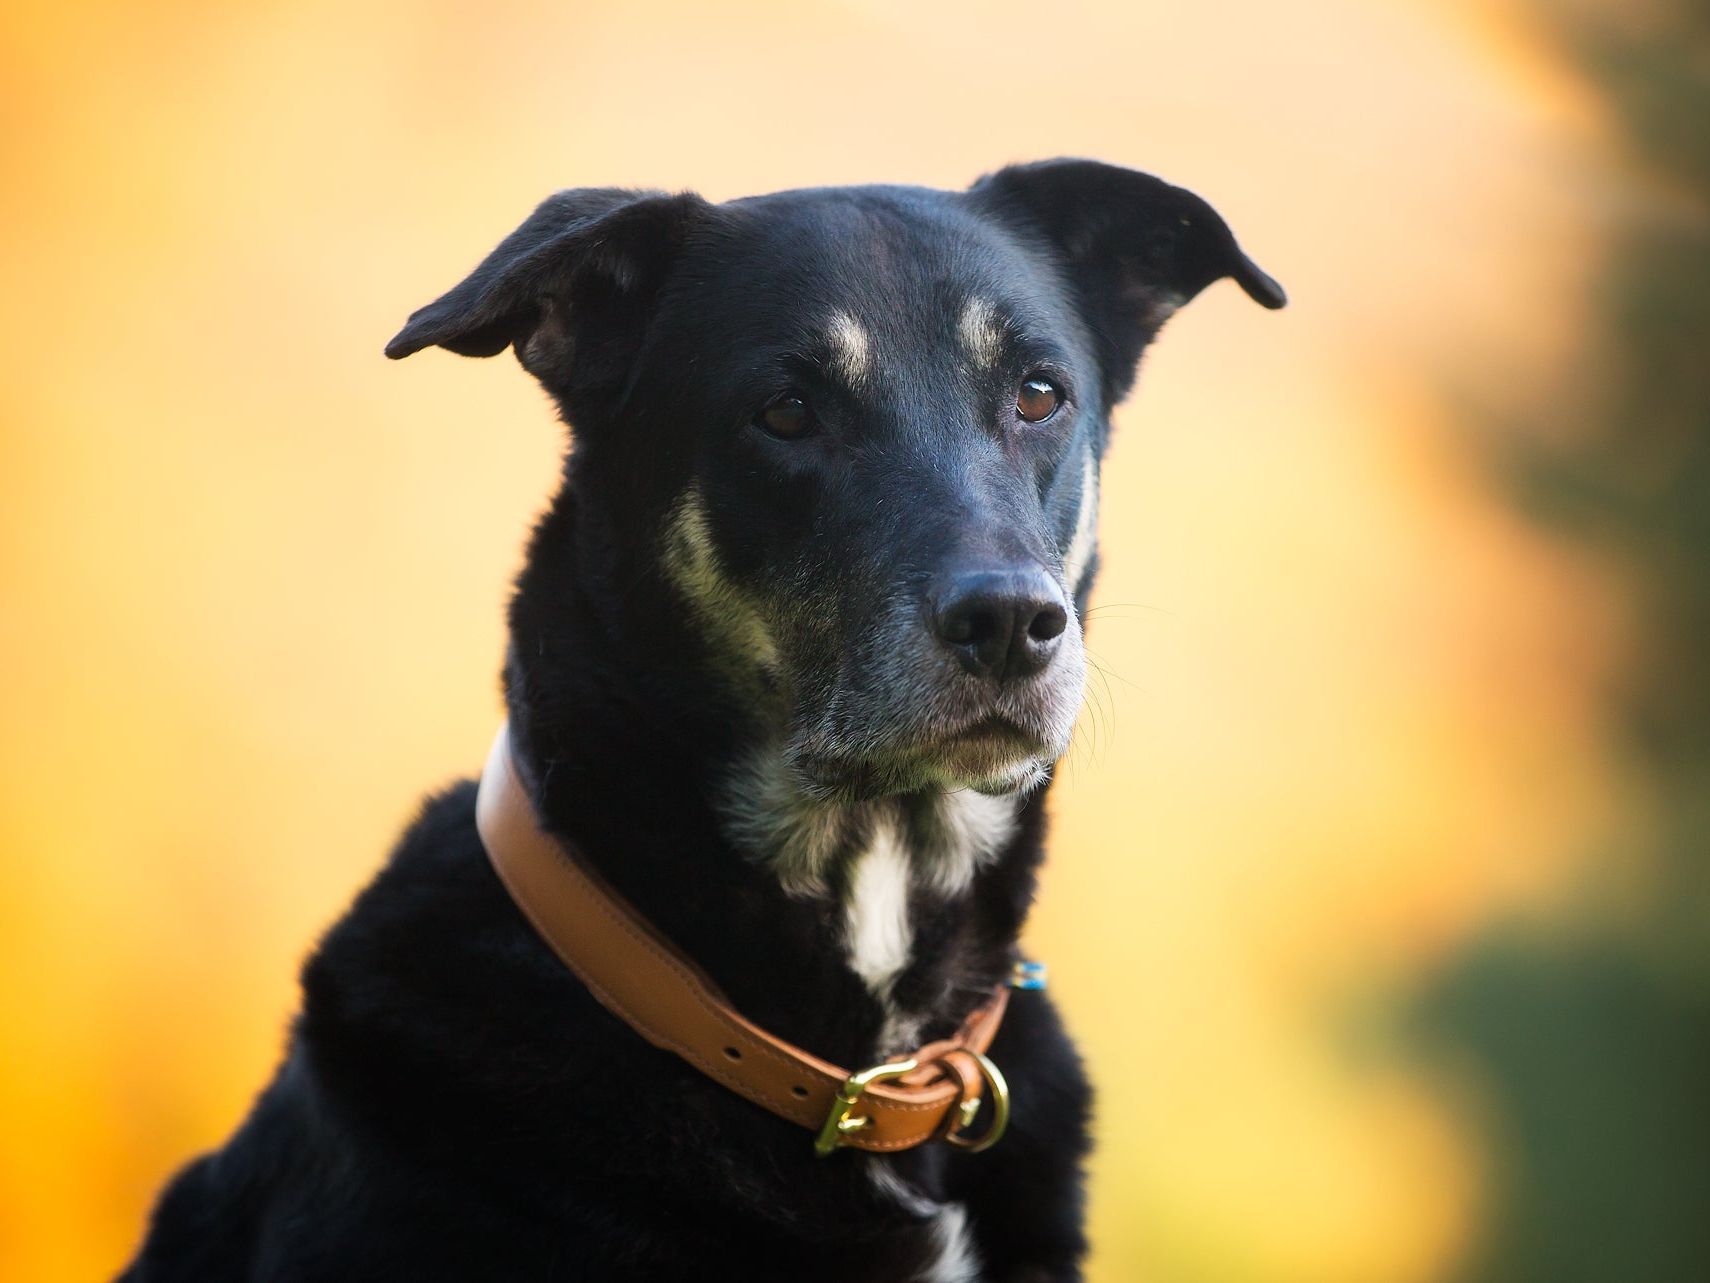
(788, 417)
(1037, 399)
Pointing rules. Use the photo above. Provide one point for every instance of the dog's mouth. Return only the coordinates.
(899, 717)
(993, 736)
(990, 754)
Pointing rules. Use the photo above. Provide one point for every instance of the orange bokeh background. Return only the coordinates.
(253, 573)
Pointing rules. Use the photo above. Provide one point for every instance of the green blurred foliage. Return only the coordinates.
(1591, 1044)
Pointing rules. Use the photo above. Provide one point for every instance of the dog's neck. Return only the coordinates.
(856, 927)
(945, 836)
(882, 862)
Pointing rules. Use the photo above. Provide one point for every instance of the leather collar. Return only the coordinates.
(641, 978)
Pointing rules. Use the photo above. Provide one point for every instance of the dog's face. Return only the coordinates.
(895, 453)
(860, 431)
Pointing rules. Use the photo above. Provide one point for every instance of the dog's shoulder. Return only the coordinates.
(407, 976)
(434, 1022)
(436, 885)
(437, 867)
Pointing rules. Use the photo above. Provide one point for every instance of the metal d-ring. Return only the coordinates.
(1000, 1109)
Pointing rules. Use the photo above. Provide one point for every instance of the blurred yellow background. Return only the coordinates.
(1356, 708)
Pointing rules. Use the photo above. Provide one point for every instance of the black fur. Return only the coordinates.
(453, 1104)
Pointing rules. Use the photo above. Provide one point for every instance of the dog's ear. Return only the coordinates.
(570, 288)
(1134, 248)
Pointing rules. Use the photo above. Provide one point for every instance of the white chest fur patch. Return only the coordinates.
(956, 1260)
(885, 850)
(964, 831)
(875, 909)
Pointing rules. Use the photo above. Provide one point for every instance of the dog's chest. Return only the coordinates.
(906, 868)
(947, 1247)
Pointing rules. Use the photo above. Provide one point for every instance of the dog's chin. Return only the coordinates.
(995, 759)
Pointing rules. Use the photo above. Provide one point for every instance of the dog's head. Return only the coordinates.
(859, 432)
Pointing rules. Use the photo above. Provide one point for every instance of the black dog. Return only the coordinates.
(792, 657)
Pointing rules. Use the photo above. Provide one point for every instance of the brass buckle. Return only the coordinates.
(838, 1123)
(1000, 1109)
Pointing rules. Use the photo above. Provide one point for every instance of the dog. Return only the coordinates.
(791, 659)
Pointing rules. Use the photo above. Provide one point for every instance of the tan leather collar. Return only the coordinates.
(640, 977)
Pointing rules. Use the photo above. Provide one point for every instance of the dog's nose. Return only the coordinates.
(1001, 623)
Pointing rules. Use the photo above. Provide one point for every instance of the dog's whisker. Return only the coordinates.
(1108, 609)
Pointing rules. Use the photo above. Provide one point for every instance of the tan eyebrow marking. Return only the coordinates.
(981, 331)
(851, 347)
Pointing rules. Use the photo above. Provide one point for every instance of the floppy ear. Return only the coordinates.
(570, 288)
(1134, 247)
